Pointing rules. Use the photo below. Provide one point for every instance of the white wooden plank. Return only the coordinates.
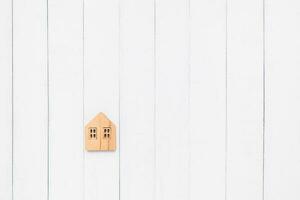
(172, 99)
(101, 92)
(282, 147)
(137, 100)
(5, 100)
(66, 99)
(30, 99)
(208, 99)
(245, 100)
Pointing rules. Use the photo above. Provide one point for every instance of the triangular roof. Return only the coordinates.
(101, 118)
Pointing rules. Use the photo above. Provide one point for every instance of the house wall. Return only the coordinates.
(205, 95)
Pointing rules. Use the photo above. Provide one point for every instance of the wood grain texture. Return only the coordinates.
(100, 134)
(172, 99)
(208, 99)
(204, 96)
(5, 100)
(30, 158)
(137, 100)
(66, 99)
(101, 92)
(245, 100)
(282, 147)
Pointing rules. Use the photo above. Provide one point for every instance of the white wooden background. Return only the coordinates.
(205, 95)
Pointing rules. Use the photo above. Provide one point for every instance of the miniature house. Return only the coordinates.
(100, 134)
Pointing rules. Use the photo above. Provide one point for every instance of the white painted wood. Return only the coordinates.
(137, 164)
(172, 99)
(282, 147)
(101, 92)
(208, 99)
(66, 149)
(167, 94)
(245, 100)
(30, 99)
(5, 100)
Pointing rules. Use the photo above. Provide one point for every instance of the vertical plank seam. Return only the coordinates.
(264, 99)
(119, 94)
(12, 99)
(226, 98)
(83, 99)
(154, 101)
(48, 100)
(189, 97)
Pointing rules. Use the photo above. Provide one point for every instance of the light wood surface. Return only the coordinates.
(100, 134)
(6, 138)
(137, 142)
(282, 133)
(66, 146)
(172, 100)
(204, 96)
(101, 93)
(245, 102)
(208, 99)
(30, 100)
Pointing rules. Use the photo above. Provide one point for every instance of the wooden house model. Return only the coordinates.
(100, 134)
